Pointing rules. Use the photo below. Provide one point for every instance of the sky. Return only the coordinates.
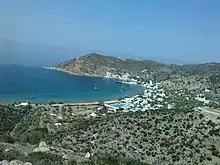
(179, 30)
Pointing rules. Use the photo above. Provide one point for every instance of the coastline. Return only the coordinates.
(97, 76)
(66, 103)
(88, 75)
(88, 103)
(77, 74)
(95, 102)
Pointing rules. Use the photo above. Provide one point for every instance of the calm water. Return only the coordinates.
(18, 83)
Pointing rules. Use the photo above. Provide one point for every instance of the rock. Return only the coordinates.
(16, 162)
(171, 106)
(28, 163)
(87, 155)
(66, 157)
(42, 147)
(93, 114)
(36, 150)
(4, 162)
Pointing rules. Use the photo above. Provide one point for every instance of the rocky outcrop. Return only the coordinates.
(4, 162)
(42, 148)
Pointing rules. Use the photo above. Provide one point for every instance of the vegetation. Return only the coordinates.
(152, 137)
(184, 130)
(10, 116)
(97, 65)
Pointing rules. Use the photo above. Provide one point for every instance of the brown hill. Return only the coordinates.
(97, 65)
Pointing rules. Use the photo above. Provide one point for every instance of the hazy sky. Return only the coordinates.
(187, 30)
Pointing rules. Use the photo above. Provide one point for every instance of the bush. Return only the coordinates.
(211, 123)
(11, 154)
(34, 136)
(108, 159)
(201, 116)
(209, 158)
(175, 158)
(10, 116)
(214, 150)
(42, 158)
(6, 138)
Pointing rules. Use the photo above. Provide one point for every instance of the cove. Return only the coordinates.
(38, 85)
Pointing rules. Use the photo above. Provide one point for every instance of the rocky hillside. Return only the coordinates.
(190, 76)
(97, 65)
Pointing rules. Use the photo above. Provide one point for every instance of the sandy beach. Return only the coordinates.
(88, 103)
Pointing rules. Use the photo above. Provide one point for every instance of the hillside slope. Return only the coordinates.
(188, 76)
(97, 65)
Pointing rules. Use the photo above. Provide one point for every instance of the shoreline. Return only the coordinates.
(88, 75)
(65, 103)
(92, 102)
(87, 103)
(114, 101)
(76, 74)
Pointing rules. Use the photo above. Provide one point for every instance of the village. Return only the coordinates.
(156, 96)
(162, 124)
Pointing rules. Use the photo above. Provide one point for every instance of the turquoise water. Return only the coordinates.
(19, 83)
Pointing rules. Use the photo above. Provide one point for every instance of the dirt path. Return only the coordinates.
(204, 109)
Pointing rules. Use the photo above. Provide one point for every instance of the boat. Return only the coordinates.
(118, 82)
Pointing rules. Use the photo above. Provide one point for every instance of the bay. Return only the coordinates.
(38, 85)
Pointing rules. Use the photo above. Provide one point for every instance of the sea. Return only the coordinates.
(39, 85)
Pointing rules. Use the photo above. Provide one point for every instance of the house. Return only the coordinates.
(22, 104)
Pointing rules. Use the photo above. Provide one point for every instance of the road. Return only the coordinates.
(204, 109)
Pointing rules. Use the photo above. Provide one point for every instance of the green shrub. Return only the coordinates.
(6, 138)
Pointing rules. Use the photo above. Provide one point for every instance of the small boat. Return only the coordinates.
(95, 88)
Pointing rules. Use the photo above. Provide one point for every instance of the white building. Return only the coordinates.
(22, 104)
(93, 114)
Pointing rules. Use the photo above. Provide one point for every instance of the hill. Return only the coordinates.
(98, 65)
(94, 64)
(176, 121)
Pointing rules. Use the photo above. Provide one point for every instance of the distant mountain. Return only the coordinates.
(201, 68)
(97, 65)
(168, 61)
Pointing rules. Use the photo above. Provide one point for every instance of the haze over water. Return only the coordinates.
(39, 85)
